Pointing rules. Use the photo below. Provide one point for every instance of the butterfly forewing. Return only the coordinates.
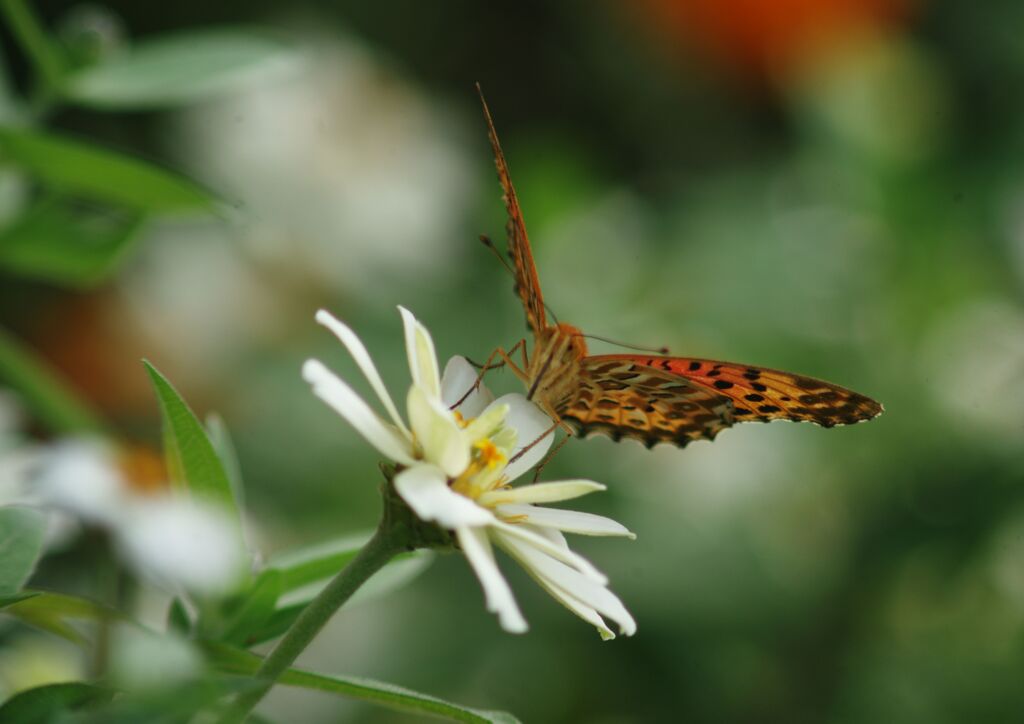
(624, 398)
(654, 399)
(759, 394)
(527, 283)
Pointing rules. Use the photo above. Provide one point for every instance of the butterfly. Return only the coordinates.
(654, 399)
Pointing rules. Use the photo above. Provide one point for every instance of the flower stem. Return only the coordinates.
(381, 548)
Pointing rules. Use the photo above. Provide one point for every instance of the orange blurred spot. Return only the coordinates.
(143, 468)
(771, 37)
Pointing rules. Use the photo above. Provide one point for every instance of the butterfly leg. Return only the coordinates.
(490, 365)
(480, 366)
(548, 458)
(506, 358)
(523, 450)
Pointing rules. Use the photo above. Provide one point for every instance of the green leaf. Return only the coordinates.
(175, 704)
(6, 601)
(178, 619)
(65, 164)
(53, 612)
(50, 400)
(180, 68)
(316, 562)
(256, 608)
(21, 543)
(303, 572)
(233, 660)
(45, 704)
(220, 438)
(201, 472)
(55, 242)
(399, 571)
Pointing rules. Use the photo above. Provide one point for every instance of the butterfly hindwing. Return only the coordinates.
(624, 398)
(759, 394)
(527, 283)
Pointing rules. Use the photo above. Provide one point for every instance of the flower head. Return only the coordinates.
(457, 458)
(172, 540)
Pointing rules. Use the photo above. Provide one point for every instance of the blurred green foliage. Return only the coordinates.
(860, 219)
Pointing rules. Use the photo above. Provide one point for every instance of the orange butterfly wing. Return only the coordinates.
(621, 397)
(527, 283)
(759, 394)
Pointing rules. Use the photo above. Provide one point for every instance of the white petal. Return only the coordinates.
(422, 358)
(497, 594)
(552, 534)
(552, 549)
(542, 492)
(489, 422)
(181, 542)
(425, 489)
(570, 521)
(439, 436)
(587, 613)
(579, 608)
(530, 422)
(81, 477)
(355, 348)
(572, 582)
(332, 390)
(458, 378)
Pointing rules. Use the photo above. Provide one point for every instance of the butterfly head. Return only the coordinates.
(577, 344)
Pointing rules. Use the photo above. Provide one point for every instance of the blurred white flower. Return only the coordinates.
(171, 540)
(348, 173)
(458, 455)
(16, 454)
(19, 458)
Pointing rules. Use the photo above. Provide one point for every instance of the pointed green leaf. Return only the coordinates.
(45, 704)
(201, 471)
(220, 438)
(69, 165)
(236, 661)
(305, 571)
(21, 543)
(49, 399)
(56, 242)
(179, 69)
(399, 571)
(54, 612)
(255, 609)
(6, 601)
(313, 563)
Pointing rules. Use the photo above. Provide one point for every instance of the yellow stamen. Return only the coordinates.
(489, 453)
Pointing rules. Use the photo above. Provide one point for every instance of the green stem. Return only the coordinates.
(385, 544)
(35, 42)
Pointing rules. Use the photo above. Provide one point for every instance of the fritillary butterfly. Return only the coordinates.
(650, 398)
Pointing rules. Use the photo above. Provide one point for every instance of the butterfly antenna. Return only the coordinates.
(653, 350)
(489, 243)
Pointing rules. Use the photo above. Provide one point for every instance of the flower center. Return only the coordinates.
(142, 468)
(489, 454)
(484, 470)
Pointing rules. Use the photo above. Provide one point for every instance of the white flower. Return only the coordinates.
(171, 540)
(457, 461)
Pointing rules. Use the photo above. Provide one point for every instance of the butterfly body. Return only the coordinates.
(650, 398)
(554, 366)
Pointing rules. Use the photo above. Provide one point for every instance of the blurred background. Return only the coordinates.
(833, 187)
